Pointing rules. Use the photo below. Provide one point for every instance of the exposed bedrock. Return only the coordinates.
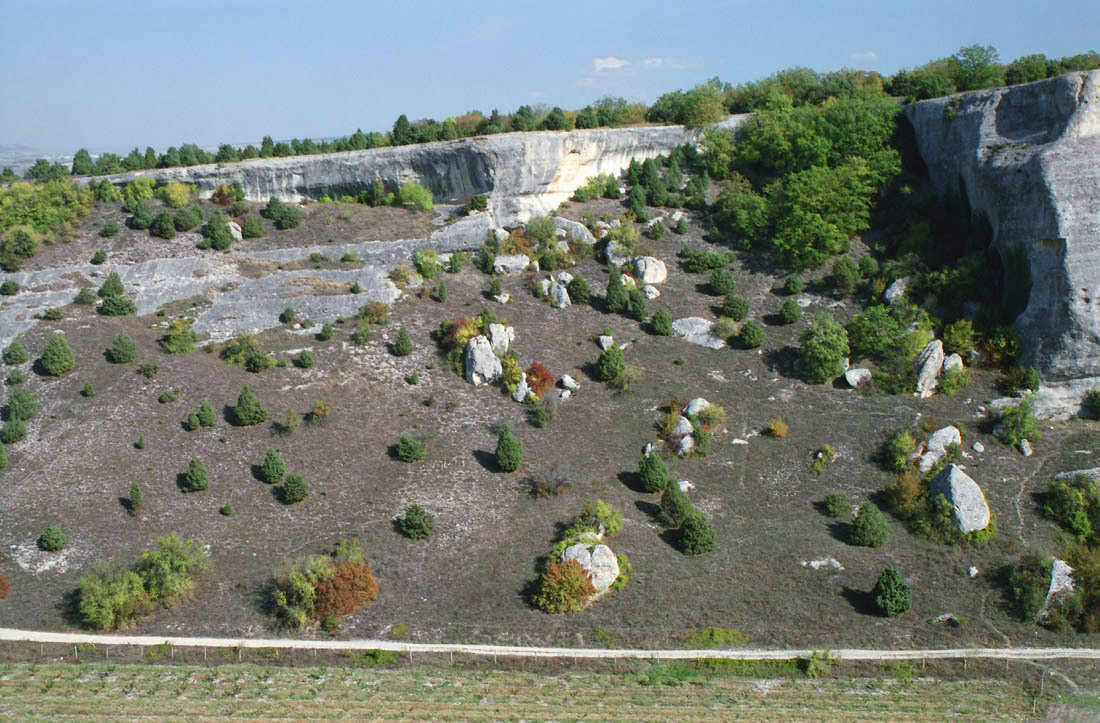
(1029, 158)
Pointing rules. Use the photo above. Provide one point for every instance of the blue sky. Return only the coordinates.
(110, 75)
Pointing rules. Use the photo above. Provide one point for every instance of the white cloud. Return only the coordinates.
(609, 63)
(868, 57)
(670, 63)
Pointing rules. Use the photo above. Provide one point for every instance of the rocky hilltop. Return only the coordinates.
(1029, 158)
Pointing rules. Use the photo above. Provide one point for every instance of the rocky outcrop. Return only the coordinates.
(482, 365)
(1028, 157)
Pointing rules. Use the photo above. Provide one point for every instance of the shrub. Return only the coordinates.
(248, 410)
(1074, 504)
(112, 596)
(408, 449)
(135, 505)
(891, 593)
(617, 297)
(898, 451)
(16, 376)
(412, 193)
(109, 229)
(196, 478)
(88, 391)
(245, 351)
(790, 311)
(57, 358)
(123, 350)
(675, 504)
(1018, 422)
(636, 305)
(117, 306)
(869, 527)
(417, 524)
(509, 451)
(9, 288)
(305, 359)
(752, 335)
(838, 505)
(149, 369)
(564, 587)
(168, 571)
(273, 468)
(402, 345)
(186, 219)
(721, 283)
(539, 379)
(169, 395)
(295, 489)
(14, 430)
(823, 348)
(205, 415)
(611, 363)
(735, 307)
(953, 380)
(327, 330)
(52, 539)
(192, 422)
(656, 231)
(16, 353)
(793, 285)
(1028, 584)
(696, 534)
(426, 263)
(776, 429)
(252, 227)
(350, 587)
(176, 195)
(661, 322)
(163, 225)
(22, 405)
(958, 337)
(112, 286)
(579, 292)
(285, 216)
(653, 473)
(1019, 378)
(226, 510)
(85, 297)
(846, 276)
(868, 266)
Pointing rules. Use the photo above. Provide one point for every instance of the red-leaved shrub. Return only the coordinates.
(539, 379)
(351, 586)
(223, 195)
(5, 586)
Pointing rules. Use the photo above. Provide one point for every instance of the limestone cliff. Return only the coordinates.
(1029, 158)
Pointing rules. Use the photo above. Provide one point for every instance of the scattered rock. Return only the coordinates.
(511, 264)
(544, 286)
(830, 563)
(601, 228)
(937, 446)
(952, 361)
(676, 217)
(650, 270)
(598, 561)
(559, 296)
(972, 571)
(858, 378)
(696, 330)
(1025, 448)
(685, 485)
(565, 394)
(564, 277)
(978, 447)
(686, 445)
(695, 406)
(616, 253)
(482, 365)
(896, 291)
(534, 266)
(683, 428)
(504, 298)
(651, 292)
(522, 390)
(1061, 581)
(648, 449)
(1093, 472)
(235, 231)
(970, 511)
(576, 230)
(500, 337)
(948, 618)
(569, 383)
(629, 282)
(605, 341)
(930, 364)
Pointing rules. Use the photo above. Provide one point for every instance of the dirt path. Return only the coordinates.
(515, 651)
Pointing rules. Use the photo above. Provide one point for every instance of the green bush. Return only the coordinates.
(412, 193)
(1074, 504)
(186, 219)
(408, 449)
(16, 376)
(123, 350)
(653, 473)
(169, 395)
(824, 346)
(509, 451)
(564, 587)
(305, 359)
(838, 505)
(735, 307)
(417, 524)
(117, 306)
(57, 358)
(135, 501)
(295, 489)
(327, 331)
(16, 353)
(9, 288)
(88, 391)
(273, 468)
(611, 363)
(148, 369)
(248, 410)
(1018, 422)
(579, 293)
(637, 307)
(402, 345)
(617, 297)
(192, 422)
(868, 266)
(1019, 379)
(245, 351)
(897, 453)
(675, 504)
(869, 528)
(790, 312)
(426, 263)
(1028, 584)
(112, 596)
(109, 229)
(206, 415)
(873, 332)
(793, 285)
(891, 593)
(163, 225)
(696, 534)
(168, 571)
(22, 405)
(721, 283)
(661, 322)
(195, 479)
(14, 430)
(252, 227)
(100, 256)
(52, 539)
(958, 337)
(846, 276)
(285, 216)
(752, 335)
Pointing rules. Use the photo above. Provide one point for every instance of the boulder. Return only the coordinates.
(952, 361)
(598, 561)
(1025, 448)
(696, 330)
(649, 449)
(683, 427)
(649, 270)
(573, 229)
(534, 265)
(522, 390)
(565, 393)
(570, 383)
(651, 292)
(858, 378)
(544, 286)
(500, 337)
(500, 235)
(564, 277)
(895, 292)
(235, 231)
(482, 365)
(1061, 581)
(930, 364)
(504, 298)
(605, 341)
(676, 217)
(629, 282)
(559, 296)
(616, 254)
(510, 264)
(686, 445)
(970, 511)
(601, 228)
(978, 447)
(937, 446)
(695, 406)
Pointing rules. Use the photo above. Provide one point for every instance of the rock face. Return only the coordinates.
(970, 511)
(482, 365)
(598, 561)
(648, 270)
(696, 330)
(930, 364)
(1028, 157)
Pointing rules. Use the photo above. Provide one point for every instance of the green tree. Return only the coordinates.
(735, 307)
(273, 468)
(617, 297)
(509, 451)
(252, 227)
(163, 225)
(123, 350)
(206, 415)
(611, 363)
(178, 337)
(752, 335)
(891, 593)
(135, 499)
(675, 504)
(579, 292)
(82, 163)
(402, 346)
(112, 286)
(112, 596)
(417, 524)
(661, 322)
(790, 311)
(117, 306)
(195, 479)
(1018, 422)
(16, 353)
(22, 404)
(696, 534)
(295, 489)
(52, 539)
(824, 346)
(977, 67)
(57, 358)
(248, 411)
(408, 449)
(14, 430)
(721, 283)
(653, 473)
(846, 276)
(869, 527)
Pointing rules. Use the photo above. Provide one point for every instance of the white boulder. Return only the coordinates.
(605, 341)
(697, 330)
(500, 235)
(650, 270)
(235, 231)
(1025, 448)
(683, 427)
(952, 361)
(930, 364)
(598, 561)
(500, 337)
(896, 291)
(651, 292)
(937, 446)
(858, 378)
(695, 406)
(510, 264)
(686, 445)
(616, 254)
(969, 511)
(522, 390)
(482, 365)
(564, 277)
(573, 229)
(570, 383)
(559, 296)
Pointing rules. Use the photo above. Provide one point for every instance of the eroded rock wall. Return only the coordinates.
(1029, 158)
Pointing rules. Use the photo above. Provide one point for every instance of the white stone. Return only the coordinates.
(573, 229)
(616, 254)
(500, 235)
(683, 427)
(534, 266)
(686, 445)
(504, 298)
(565, 393)
(598, 561)
(500, 337)
(858, 378)
(970, 511)
(695, 406)
(675, 217)
(952, 361)
(1025, 448)
(937, 446)
(522, 390)
(685, 485)
(564, 277)
(629, 282)
(648, 449)
(696, 330)
(559, 296)
(651, 292)
(544, 286)
(510, 264)
(235, 231)
(930, 364)
(650, 270)
(972, 571)
(482, 365)
(896, 291)
(605, 341)
(978, 447)
(570, 383)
